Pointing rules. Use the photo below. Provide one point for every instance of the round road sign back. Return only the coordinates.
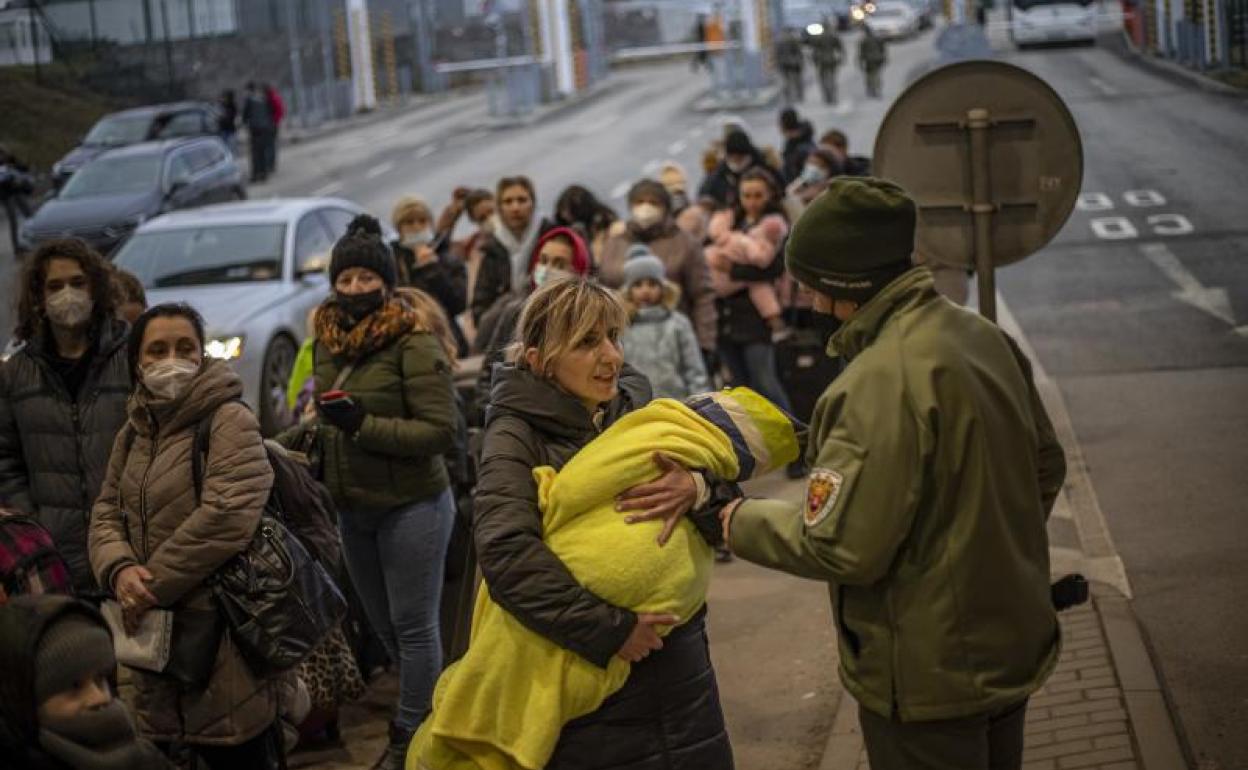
(986, 141)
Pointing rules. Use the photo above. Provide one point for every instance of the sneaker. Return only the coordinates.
(722, 554)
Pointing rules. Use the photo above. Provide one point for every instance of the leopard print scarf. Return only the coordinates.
(343, 339)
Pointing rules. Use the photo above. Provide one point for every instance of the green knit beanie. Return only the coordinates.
(853, 239)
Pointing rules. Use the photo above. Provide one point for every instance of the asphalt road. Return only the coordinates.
(1138, 311)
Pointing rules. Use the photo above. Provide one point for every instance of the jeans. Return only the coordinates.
(397, 568)
(753, 365)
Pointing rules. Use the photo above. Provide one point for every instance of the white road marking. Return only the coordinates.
(1114, 228)
(1144, 198)
(329, 189)
(426, 151)
(677, 147)
(650, 167)
(621, 189)
(1105, 88)
(1094, 201)
(379, 169)
(844, 106)
(1099, 559)
(1211, 300)
(1170, 224)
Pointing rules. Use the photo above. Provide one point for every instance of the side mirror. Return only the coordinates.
(178, 183)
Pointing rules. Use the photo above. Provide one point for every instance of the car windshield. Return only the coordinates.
(112, 132)
(107, 176)
(197, 256)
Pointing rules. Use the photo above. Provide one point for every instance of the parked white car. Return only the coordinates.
(255, 271)
(893, 19)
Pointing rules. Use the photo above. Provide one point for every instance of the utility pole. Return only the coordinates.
(164, 24)
(296, 63)
(34, 41)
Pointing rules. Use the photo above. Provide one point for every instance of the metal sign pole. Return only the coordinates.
(978, 122)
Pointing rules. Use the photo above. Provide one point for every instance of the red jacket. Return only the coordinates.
(276, 105)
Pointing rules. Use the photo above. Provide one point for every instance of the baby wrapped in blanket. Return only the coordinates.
(503, 705)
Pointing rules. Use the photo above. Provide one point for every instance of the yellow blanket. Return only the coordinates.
(503, 705)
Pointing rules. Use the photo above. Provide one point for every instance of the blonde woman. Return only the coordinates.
(567, 383)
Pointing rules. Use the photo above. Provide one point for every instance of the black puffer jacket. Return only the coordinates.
(54, 449)
(532, 423)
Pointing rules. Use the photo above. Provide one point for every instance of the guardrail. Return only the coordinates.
(673, 49)
(478, 65)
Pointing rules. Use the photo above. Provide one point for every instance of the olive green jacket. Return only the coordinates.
(395, 459)
(933, 470)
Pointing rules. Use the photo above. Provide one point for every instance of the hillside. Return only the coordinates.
(42, 122)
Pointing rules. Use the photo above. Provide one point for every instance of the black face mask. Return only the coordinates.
(826, 324)
(360, 306)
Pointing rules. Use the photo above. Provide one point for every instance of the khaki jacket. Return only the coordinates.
(933, 470)
(146, 514)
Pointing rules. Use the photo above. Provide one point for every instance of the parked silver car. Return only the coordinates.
(255, 271)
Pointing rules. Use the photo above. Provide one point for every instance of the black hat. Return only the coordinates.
(75, 646)
(789, 120)
(362, 246)
(853, 239)
(738, 143)
(652, 189)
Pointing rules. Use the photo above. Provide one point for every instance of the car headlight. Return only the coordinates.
(224, 348)
(125, 227)
(858, 14)
(814, 30)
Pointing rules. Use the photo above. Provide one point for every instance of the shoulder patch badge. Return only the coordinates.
(823, 488)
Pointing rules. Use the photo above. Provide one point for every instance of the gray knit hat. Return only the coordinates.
(642, 264)
(75, 647)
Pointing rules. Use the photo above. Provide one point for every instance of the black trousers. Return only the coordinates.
(990, 741)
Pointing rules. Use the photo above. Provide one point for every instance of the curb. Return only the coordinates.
(760, 99)
(1125, 48)
(553, 109)
(1152, 724)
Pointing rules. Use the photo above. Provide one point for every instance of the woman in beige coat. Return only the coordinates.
(153, 546)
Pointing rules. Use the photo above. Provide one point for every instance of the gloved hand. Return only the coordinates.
(345, 413)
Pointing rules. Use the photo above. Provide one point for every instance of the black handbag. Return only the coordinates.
(193, 650)
(278, 602)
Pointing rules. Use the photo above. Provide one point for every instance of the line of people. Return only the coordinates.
(261, 113)
(583, 319)
(827, 54)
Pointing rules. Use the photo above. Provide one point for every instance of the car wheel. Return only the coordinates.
(279, 360)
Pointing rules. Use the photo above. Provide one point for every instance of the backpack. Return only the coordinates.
(29, 561)
(302, 503)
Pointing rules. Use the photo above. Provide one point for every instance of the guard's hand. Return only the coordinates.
(668, 497)
(645, 637)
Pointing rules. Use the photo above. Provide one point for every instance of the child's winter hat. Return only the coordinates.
(642, 264)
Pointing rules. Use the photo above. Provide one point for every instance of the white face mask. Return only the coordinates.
(543, 274)
(69, 307)
(168, 377)
(422, 238)
(812, 174)
(647, 214)
(737, 166)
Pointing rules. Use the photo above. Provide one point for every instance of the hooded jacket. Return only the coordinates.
(532, 423)
(499, 272)
(686, 267)
(54, 448)
(147, 514)
(406, 389)
(499, 328)
(796, 150)
(23, 623)
(933, 470)
(661, 344)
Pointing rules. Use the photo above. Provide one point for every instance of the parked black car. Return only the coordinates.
(141, 124)
(112, 195)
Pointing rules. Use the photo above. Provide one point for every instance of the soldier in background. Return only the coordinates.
(791, 62)
(828, 54)
(871, 60)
